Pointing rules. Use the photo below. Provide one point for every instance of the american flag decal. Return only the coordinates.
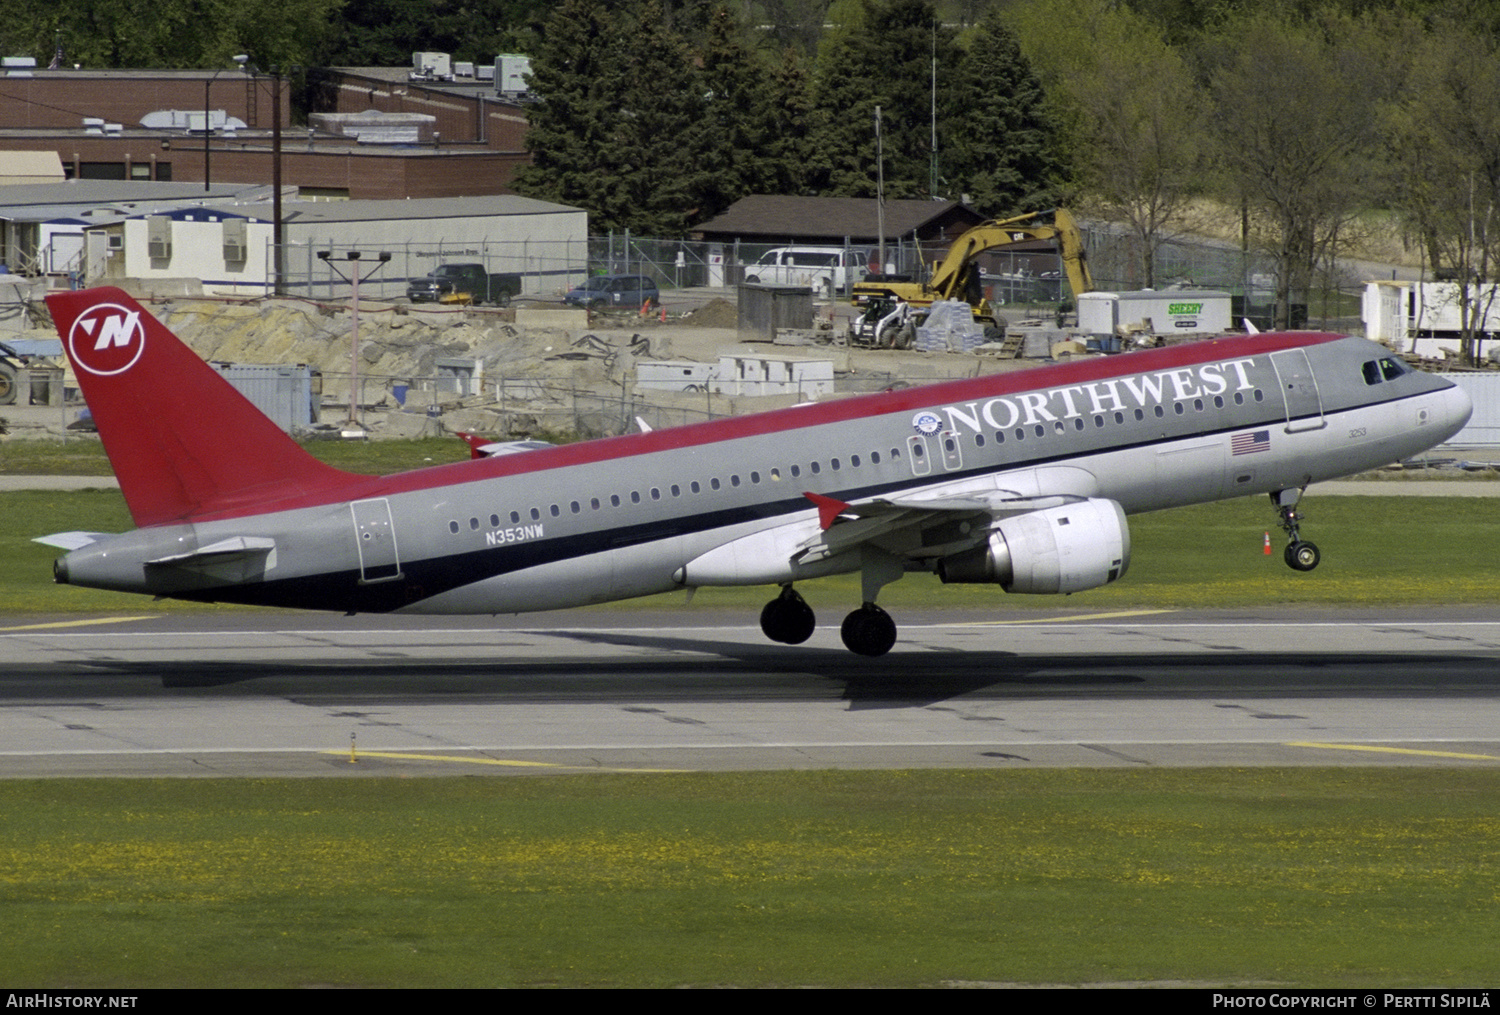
(1249, 443)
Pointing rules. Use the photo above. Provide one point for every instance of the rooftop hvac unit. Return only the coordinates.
(511, 71)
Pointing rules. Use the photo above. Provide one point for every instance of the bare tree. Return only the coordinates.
(1132, 117)
(1294, 116)
(1443, 137)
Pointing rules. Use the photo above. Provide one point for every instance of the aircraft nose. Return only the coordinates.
(1456, 409)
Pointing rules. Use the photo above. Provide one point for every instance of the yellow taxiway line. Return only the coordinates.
(81, 623)
(1395, 750)
(509, 763)
(1062, 620)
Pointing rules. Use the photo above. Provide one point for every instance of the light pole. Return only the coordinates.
(276, 235)
(208, 126)
(354, 278)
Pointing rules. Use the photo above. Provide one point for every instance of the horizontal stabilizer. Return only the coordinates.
(220, 552)
(71, 540)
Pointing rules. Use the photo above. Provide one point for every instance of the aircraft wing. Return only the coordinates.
(917, 526)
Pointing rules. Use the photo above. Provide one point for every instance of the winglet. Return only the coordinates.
(828, 508)
(182, 440)
(475, 442)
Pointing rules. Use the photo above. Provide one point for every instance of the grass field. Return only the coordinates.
(1298, 877)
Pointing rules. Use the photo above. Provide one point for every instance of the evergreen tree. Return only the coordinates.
(738, 129)
(889, 63)
(794, 160)
(618, 127)
(1001, 145)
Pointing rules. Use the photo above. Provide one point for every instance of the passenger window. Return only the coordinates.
(575, 507)
(494, 521)
(713, 483)
(556, 511)
(453, 527)
(693, 486)
(614, 500)
(635, 496)
(536, 514)
(515, 517)
(755, 478)
(473, 524)
(816, 468)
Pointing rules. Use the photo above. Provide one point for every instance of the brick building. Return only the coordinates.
(93, 120)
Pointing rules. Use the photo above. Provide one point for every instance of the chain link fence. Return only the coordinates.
(549, 268)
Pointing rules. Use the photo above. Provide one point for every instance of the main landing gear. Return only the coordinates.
(1299, 555)
(869, 630)
(787, 618)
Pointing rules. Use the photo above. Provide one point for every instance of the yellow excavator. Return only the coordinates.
(890, 303)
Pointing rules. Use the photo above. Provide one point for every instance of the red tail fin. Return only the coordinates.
(182, 440)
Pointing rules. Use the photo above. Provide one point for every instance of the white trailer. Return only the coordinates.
(1426, 318)
(1154, 312)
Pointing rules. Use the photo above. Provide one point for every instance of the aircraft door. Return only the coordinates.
(953, 452)
(916, 454)
(375, 536)
(1299, 391)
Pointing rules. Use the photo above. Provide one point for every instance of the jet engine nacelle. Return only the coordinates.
(1061, 549)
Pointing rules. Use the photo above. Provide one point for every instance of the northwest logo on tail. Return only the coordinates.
(107, 339)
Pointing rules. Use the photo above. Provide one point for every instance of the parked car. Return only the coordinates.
(453, 280)
(824, 270)
(613, 291)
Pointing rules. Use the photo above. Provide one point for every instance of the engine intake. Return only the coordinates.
(1056, 550)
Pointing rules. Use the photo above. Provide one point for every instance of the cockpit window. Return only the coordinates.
(1372, 372)
(1390, 369)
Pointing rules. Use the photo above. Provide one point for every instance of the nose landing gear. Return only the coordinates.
(1300, 555)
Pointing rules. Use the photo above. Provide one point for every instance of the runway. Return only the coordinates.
(289, 694)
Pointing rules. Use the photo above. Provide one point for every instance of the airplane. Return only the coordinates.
(1020, 480)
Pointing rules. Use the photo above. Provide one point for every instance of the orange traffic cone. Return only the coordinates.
(1268, 544)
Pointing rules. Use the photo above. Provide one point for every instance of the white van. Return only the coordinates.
(824, 270)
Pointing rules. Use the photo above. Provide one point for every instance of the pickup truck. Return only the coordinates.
(449, 282)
